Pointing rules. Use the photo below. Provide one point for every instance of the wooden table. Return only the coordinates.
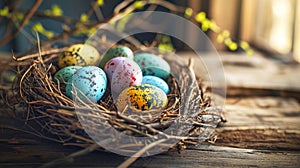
(262, 128)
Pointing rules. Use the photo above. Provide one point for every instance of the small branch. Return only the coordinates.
(120, 11)
(47, 52)
(97, 11)
(121, 6)
(3, 87)
(30, 132)
(24, 21)
(71, 156)
(68, 33)
(167, 5)
(134, 157)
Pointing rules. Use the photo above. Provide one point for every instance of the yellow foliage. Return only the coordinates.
(138, 4)
(84, 17)
(200, 17)
(38, 27)
(188, 12)
(4, 11)
(100, 2)
(56, 10)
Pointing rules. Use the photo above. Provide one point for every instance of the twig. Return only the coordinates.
(120, 11)
(167, 5)
(11, 24)
(67, 33)
(24, 21)
(28, 132)
(134, 157)
(70, 157)
(64, 19)
(121, 6)
(21, 80)
(3, 87)
(97, 11)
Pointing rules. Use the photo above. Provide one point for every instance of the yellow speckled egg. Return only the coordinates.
(79, 55)
(142, 97)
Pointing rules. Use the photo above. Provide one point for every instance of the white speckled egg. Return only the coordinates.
(79, 54)
(122, 72)
(142, 97)
(119, 51)
(152, 65)
(63, 75)
(156, 81)
(88, 82)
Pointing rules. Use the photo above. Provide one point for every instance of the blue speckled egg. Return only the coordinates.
(156, 81)
(88, 82)
(142, 97)
(119, 51)
(63, 75)
(122, 72)
(152, 65)
(80, 55)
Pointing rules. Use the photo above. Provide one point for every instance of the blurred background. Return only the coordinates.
(262, 101)
(269, 26)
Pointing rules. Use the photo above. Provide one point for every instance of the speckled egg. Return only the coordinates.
(80, 55)
(63, 75)
(88, 83)
(156, 81)
(142, 97)
(122, 72)
(119, 51)
(152, 65)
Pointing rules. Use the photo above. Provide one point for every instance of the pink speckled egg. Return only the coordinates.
(122, 72)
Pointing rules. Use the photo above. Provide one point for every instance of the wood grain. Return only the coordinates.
(262, 128)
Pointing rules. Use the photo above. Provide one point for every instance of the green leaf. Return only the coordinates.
(84, 17)
(205, 25)
(188, 12)
(4, 11)
(38, 27)
(122, 23)
(220, 38)
(225, 33)
(244, 45)
(200, 17)
(19, 16)
(91, 31)
(100, 2)
(138, 4)
(249, 52)
(56, 10)
(166, 44)
(48, 34)
(214, 27)
(233, 46)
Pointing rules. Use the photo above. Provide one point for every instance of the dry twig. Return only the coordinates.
(25, 20)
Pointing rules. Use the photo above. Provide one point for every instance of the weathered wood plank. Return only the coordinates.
(261, 131)
(263, 112)
(211, 156)
(271, 123)
(253, 123)
(258, 123)
(266, 139)
(235, 91)
(34, 155)
(255, 72)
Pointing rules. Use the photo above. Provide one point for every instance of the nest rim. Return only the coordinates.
(62, 111)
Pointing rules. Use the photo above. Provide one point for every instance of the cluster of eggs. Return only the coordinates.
(137, 80)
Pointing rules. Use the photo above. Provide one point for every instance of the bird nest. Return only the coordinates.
(188, 118)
